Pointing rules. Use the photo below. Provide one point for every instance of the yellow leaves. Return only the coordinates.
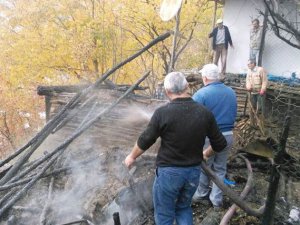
(44, 38)
(53, 42)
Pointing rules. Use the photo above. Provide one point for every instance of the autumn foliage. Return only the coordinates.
(52, 42)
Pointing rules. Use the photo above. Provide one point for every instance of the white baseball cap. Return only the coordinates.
(211, 71)
(219, 21)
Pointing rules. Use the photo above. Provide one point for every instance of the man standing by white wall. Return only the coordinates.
(221, 39)
(256, 85)
(255, 40)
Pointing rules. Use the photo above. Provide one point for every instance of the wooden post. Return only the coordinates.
(290, 106)
(246, 104)
(215, 14)
(263, 37)
(116, 218)
(209, 55)
(271, 199)
(176, 31)
(275, 176)
(48, 107)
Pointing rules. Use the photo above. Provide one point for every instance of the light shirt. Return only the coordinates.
(256, 79)
(220, 39)
(255, 38)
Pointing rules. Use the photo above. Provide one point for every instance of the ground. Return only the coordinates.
(99, 185)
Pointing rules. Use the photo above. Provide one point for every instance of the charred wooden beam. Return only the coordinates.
(46, 90)
(52, 173)
(7, 196)
(77, 222)
(231, 194)
(78, 132)
(44, 213)
(59, 150)
(116, 218)
(32, 210)
(23, 191)
(53, 90)
(268, 216)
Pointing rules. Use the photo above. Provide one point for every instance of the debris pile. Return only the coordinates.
(87, 181)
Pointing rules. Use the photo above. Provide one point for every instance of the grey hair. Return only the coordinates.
(211, 72)
(175, 82)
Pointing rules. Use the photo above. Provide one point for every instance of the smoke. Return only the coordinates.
(84, 188)
(97, 184)
(84, 181)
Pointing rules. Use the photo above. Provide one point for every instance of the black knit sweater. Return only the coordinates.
(183, 126)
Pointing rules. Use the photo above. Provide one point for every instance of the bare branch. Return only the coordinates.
(282, 27)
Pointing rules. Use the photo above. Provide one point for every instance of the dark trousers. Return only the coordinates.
(221, 51)
(258, 104)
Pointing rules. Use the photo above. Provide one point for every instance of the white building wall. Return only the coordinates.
(278, 57)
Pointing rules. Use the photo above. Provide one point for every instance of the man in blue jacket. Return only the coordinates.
(221, 39)
(221, 101)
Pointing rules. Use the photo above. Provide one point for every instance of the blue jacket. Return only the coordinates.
(213, 34)
(221, 101)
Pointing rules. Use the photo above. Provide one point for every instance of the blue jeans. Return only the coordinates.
(173, 190)
(218, 162)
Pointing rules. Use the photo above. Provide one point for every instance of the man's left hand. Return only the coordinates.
(262, 92)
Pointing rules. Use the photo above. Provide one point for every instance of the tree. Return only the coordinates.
(283, 22)
(191, 46)
(51, 42)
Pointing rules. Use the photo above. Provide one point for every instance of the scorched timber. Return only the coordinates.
(62, 147)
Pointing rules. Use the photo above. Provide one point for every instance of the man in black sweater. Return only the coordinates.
(182, 125)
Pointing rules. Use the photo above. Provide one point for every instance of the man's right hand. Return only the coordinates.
(208, 152)
(135, 152)
(205, 157)
(129, 160)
